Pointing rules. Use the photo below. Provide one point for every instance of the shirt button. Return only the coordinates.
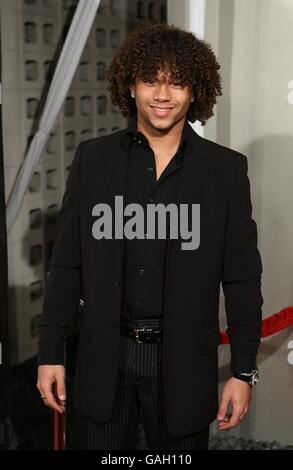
(138, 304)
(141, 271)
(139, 141)
(150, 168)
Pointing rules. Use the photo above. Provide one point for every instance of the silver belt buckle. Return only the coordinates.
(136, 331)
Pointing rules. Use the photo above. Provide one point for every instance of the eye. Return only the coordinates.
(178, 85)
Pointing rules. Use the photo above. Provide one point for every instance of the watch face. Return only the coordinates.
(254, 377)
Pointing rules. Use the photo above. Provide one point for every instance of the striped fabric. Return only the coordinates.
(139, 389)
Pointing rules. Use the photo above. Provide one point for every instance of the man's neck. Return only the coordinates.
(162, 142)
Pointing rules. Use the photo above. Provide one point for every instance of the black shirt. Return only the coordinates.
(144, 259)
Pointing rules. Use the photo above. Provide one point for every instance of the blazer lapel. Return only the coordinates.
(115, 167)
(197, 161)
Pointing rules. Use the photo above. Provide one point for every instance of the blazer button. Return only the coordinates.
(117, 282)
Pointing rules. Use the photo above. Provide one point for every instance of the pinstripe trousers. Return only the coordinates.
(139, 392)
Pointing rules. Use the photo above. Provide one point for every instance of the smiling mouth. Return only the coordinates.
(161, 111)
(162, 107)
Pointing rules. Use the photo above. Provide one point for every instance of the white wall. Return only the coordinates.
(253, 42)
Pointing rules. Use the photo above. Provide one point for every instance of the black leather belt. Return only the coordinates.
(143, 334)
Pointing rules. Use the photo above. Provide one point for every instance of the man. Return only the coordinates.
(150, 321)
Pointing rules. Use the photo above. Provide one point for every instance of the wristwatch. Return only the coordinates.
(249, 377)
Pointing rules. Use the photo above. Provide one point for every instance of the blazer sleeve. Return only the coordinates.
(241, 275)
(63, 288)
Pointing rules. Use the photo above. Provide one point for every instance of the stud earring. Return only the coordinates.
(132, 94)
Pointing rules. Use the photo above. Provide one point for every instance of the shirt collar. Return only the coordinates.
(133, 134)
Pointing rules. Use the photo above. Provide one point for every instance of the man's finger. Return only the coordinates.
(50, 399)
(223, 408)
(61, 392)
(235, 417)
(241, 417)
(225, 423)
(233, 420)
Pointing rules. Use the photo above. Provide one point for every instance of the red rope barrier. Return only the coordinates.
(270, 325)
(59, 430)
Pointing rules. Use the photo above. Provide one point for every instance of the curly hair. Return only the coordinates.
(189, 61)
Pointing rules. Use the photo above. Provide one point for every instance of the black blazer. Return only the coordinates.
(215, 177)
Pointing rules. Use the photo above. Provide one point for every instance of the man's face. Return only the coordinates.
(161, 104)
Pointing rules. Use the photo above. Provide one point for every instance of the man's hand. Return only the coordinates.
(48, 375)
(239, 393)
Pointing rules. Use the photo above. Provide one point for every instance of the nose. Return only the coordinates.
(162, 92)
